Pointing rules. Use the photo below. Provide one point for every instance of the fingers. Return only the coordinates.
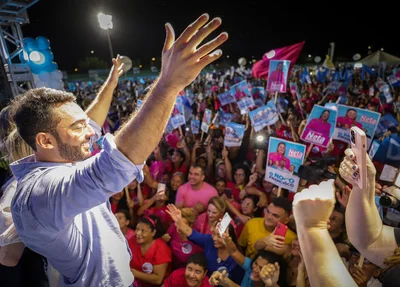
(169, 37)
(211, 45)
(193, 28)
(206, 60)
(350, 154)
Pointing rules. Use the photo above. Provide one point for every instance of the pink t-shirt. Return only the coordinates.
(161, 213)
(201, 224)
(190, 197)
(347, 123)
(277, 157)
(181, 250)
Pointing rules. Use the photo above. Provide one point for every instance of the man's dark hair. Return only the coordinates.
(203, 172)
(124, 212)
(199, 259)
(283, 203)
(33, 112)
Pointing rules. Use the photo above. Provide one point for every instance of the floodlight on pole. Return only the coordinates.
(105, 22)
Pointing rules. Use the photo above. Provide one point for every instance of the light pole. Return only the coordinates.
(106, 23)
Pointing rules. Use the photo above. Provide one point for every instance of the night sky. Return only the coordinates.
(254, 27)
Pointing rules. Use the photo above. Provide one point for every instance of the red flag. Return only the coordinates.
(291, 53)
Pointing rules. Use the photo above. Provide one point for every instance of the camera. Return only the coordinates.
(389, 201)
(353, 136)
(317, 170)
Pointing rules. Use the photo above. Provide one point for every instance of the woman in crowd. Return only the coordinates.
(349, 120)
(215, 211)
(176, 181)
(320, 125)
(151, 256)
(181, 247)
(123, 218)
(213, 245)
(279, 156)
(156, 205)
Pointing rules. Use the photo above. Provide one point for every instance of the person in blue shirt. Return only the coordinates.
(61, 208)
(214, 248)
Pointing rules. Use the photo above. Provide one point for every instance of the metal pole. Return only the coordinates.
(109, 43)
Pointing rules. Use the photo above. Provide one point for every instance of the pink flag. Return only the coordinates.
(291, 53)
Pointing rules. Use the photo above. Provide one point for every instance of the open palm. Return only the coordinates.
(174, 212)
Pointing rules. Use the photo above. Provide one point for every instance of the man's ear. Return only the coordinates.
(286, 220)
(45, 140)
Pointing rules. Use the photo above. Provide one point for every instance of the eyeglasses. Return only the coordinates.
(77, 128)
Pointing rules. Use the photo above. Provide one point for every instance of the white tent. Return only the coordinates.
(379, 57)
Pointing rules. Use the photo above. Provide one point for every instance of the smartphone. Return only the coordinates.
(281, 229)
(161, 188)
(358, 143)
(226, 220)
(228, 192)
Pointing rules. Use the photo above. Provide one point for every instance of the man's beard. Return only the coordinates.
(69, 152)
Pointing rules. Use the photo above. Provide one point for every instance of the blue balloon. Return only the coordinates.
(30, 45)
(54, 66)
(36, 69)
(48, 56)
(42, 43)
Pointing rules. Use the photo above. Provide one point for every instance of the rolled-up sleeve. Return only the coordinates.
(63, 191)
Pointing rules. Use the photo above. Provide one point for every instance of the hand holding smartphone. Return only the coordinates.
(161, 188)
(358, 143)
(281, 229)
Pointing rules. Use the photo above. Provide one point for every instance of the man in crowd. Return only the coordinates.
(195, 193)
(258, 233)
(61, 208)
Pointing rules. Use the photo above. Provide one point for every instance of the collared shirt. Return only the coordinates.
(61, 211)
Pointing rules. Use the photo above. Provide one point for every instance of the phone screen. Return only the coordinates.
(226, 220)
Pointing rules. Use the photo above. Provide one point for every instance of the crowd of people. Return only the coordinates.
(113, 179)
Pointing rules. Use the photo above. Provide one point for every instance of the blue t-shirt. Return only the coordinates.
(207, 243)
(247, 273)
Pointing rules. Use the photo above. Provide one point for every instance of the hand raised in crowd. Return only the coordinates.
(174, 212)
(116, 71)
(343, 197)
(182, 61)
(262, 199)
(181, 144)
(219, 278)
(253, 178)
(196, 145)
(270, 274)
(349, 168)
(225, 153)
(358, 275)
(313, 206)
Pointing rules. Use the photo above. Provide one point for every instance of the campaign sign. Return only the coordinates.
(240, 90)
(245, 104)
(195, 126)
(320, 126)
(374, 148)
(234, 134)
(205, 124)
(385, 123)
(284, 158)
(277, 76)
(263, 116)
(259, 96)
(226, 98)
(348, 117)
(177, 121)
(225, 118)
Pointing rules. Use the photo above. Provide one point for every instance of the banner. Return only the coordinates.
(226, 98)
(240, 91)
(259, 96)
(374, 148)
(277, 76)
(205, 124)
(245, 104)
(195, 126)
(225, 118)
(350, 116)
(320, 126)
(233, 134)
(284, 158)
(264, 116)
(385, 123)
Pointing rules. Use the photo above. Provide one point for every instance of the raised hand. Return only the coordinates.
(253, 178)
(182, 61)
(270, 274)
(219, 278)
(225, 153)
(116, 71)
(313, 206)
(343, 198)
(174, 212)
(349, 169)
(275, 241)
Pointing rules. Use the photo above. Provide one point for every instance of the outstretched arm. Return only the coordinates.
(181, 64)
(100, 106)
(369, 236)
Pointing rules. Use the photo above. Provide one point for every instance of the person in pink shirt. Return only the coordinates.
(215, 211)
(123, 218)
(276, 80)
(239, 94)
(196, 193)
(349, 120)
(181, 247)
(96, 148)
(279, 156)
(319, 125)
